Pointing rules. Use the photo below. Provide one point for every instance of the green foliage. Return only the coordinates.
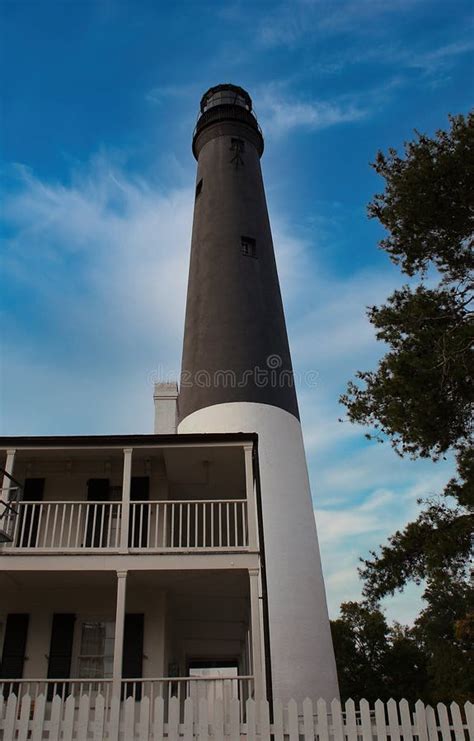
(373, 660)
(427, 204)
(421, 396)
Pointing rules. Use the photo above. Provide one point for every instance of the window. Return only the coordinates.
(249, 246)
(199, 188)
(96, 656)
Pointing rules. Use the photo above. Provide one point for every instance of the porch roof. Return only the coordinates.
(121, 441)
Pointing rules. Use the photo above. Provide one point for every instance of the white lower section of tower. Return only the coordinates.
(302, 656)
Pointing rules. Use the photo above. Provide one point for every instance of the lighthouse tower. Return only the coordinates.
(237, 376)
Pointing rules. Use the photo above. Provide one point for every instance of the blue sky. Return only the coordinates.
(99, 100)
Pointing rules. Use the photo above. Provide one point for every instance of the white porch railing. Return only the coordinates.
(153, 525)
(211, 689)
(189, 524)
(49, 688)
(69, 720)
(65, 525)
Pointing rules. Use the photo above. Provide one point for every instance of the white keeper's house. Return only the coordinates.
(183, 563)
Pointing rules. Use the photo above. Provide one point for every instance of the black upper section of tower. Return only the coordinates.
(226, 103)
(235, 345)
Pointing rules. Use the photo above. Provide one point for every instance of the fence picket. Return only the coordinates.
(129, 718)
(322, 726)
(188, 726)
(278, 728)
(173, 719)
(24, 718)
(337, 721)
(99, 718)
(420, 721)
(83, 722)
(218, 720)
(114, 719)
(144, 720)
(457, 722)
(38, 718)
(308, 720)
(234, 720)
(351, 722)
(431, 723)
(365, 720)
(406, 720)
(203, 721)
(380, 722)
(10, 717)
(158, 719)
(68, 728)
(443, 721)
(251, 720)
(469, 710)
(55, 720)
(264, 720)
(293, 731)
(393, 720)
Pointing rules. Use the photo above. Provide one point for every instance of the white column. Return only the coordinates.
(125, 518)
(256, 636)
(251, 501)
(6, 484)
(119, 631)
(8, 519)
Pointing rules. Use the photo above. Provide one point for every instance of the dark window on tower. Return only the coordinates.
(199, 188)
(249, 246)
(237, 144)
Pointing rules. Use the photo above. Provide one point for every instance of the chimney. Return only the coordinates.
(165, 396)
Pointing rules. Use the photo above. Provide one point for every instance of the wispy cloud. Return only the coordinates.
(101, 265)
(289, 24)
(280, 116)
(162, 93)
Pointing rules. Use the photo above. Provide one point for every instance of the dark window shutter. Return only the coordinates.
(14, 645)
(33, 490)
(132, 662)
(98, 490)
(60, 651)
(139, 491)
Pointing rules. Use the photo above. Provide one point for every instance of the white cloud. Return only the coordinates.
(104, 262)
(289, 24)
(279, 115)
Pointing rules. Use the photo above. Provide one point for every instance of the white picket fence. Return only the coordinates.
(89, 719)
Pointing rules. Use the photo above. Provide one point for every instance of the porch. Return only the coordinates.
(165, 498)
(185, 634)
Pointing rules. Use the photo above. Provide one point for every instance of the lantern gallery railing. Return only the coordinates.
(159, 526)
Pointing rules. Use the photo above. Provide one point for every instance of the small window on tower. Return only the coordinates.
(249, 246)
(237, 144)
(199, 188)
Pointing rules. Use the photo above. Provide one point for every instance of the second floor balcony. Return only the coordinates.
(158, 526)
(141, 494)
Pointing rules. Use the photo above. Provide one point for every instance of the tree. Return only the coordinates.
(375, 661)
(421, 397)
